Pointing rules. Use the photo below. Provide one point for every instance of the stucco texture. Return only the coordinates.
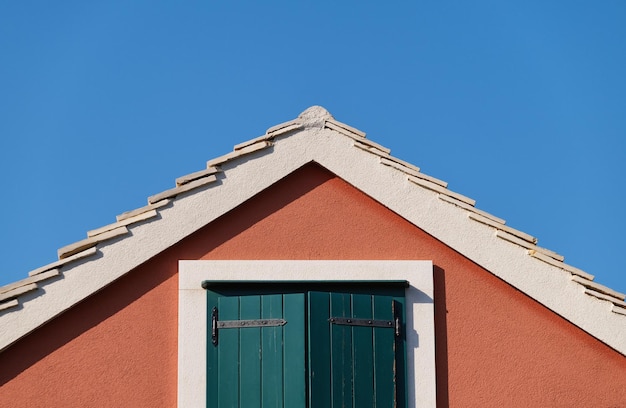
(496, 347)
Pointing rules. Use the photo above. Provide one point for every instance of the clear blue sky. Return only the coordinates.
(519, 105)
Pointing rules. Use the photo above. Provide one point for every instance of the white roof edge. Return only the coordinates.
(545, 281)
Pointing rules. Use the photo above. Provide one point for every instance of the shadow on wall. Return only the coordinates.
(441, 337)
(111, 300)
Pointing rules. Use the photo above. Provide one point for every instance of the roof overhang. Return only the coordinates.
(198, 199)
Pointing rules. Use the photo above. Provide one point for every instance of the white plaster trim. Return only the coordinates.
(192, 318)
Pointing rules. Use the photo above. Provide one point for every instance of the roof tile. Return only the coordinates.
(602, 296)
(468, 207)
(512, 231)
(343, 128)
(618, 310)
(512, 238)
(141, 210)
(173, 192)
(32, 279)
(280, 128)
(9, 304)
(439, 189)
(79, 246)
(84, 254)
(598, 288)
(400, 165)
(196, 175)
(17, 291)
(371, 147)
(560, 264)
(237, 153)
(137, 218)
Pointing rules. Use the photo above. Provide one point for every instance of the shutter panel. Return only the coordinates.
(351, 363)
(355, 357)
(248, 365)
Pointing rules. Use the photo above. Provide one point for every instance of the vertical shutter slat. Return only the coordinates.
(363, 352)
(294, 338)
(384, 354)
(250, 354)
(228, 352)
(319, 350)
(272, 349)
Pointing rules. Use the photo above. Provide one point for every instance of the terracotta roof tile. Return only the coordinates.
(441, 190)
(618, 310)
(141, 210)
(13, 293)
(502, 227)
(79, 246)
(603, 296)
(512, 238)
(127, 221)
(598, 288)
(32, 279)
(84, 254)
(372, 149)
(238, 153)
(560, 264)
(10, 304)
(343, 128)
(277, 129)
(468, 207)
(403, 166)
(196, 175)
(171, 193)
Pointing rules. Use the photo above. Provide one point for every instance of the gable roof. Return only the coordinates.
(109, 252)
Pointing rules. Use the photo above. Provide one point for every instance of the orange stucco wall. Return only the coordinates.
(495, 346)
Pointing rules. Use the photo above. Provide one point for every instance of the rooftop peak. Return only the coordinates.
(314, 116)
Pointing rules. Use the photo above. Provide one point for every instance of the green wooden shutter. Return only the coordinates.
(309, 362)
(246, 368)
(355, 365)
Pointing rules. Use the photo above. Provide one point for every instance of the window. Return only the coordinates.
(344, 287)
(313, 345)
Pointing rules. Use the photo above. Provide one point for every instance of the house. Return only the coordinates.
(310, 268)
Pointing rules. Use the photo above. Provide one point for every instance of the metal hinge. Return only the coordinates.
(395, 324)
(239, 324)
(388, 324)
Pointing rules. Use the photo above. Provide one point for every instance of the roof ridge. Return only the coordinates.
(314, 117)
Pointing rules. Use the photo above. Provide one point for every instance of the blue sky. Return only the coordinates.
(519, 105)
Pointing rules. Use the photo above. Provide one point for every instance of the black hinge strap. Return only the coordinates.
(388, 324)
(239, 324)
(395, 324)
(349, 321)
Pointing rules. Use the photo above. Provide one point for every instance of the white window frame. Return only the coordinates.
(192, 313)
